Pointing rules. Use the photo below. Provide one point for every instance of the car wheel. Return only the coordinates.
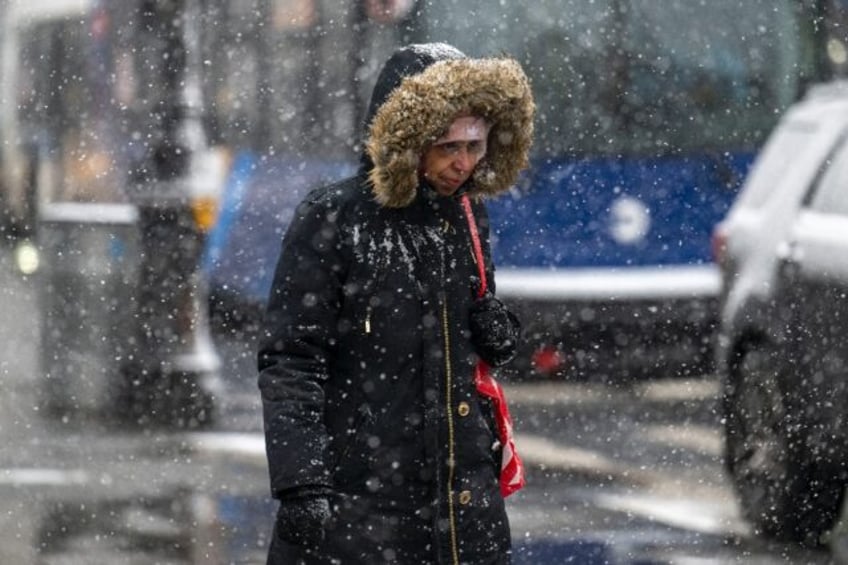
(781, 492)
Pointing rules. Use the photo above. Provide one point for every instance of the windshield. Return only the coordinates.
(618, 77)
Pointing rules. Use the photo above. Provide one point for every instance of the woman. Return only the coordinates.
(380, 447)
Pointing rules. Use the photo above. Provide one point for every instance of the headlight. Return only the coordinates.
(26, 257)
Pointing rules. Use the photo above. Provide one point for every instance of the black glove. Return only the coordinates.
(494, 330)
(302, 516)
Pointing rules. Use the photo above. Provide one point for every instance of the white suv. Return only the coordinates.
(783, 339)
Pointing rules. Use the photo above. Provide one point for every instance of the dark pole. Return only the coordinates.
(821, 17)
(172, 375)
(814, 18)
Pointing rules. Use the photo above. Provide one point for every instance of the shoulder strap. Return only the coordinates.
(475, 242)
(512, 468)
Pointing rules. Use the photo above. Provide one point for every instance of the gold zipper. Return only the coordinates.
(451, 452)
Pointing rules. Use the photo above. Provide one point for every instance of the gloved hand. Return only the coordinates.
(302, 516)
(494, 330)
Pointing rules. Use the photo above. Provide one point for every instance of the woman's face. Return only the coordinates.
(450, 161)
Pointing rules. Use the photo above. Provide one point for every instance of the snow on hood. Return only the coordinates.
(432, 88)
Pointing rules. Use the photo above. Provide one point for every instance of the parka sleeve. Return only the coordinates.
(296, 348)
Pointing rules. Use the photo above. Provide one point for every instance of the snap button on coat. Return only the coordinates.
(465, 497)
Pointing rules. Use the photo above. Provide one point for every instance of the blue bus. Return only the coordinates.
(649, 115)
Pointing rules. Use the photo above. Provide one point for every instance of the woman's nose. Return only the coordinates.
(465, 161)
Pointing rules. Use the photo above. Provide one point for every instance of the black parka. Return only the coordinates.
(365, 363)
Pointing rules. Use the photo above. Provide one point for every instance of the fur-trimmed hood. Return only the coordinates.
(421, 108)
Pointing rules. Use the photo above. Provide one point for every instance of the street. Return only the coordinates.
(617, 475)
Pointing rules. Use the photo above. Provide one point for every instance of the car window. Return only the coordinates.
(831, 194)
(774, 162)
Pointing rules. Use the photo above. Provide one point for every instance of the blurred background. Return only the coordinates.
(677, 252)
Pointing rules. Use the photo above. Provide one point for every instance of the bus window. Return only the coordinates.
(292, 77)
(725, 79)
(232, 53)
(619, 77)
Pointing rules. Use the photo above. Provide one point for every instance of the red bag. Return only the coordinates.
(512, 468)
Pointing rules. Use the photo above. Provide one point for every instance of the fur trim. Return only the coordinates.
(422, 108)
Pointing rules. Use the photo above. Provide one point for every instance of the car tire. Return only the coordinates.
(781, 491)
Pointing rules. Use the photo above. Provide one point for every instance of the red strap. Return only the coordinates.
(475, 242)
(512, 468)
